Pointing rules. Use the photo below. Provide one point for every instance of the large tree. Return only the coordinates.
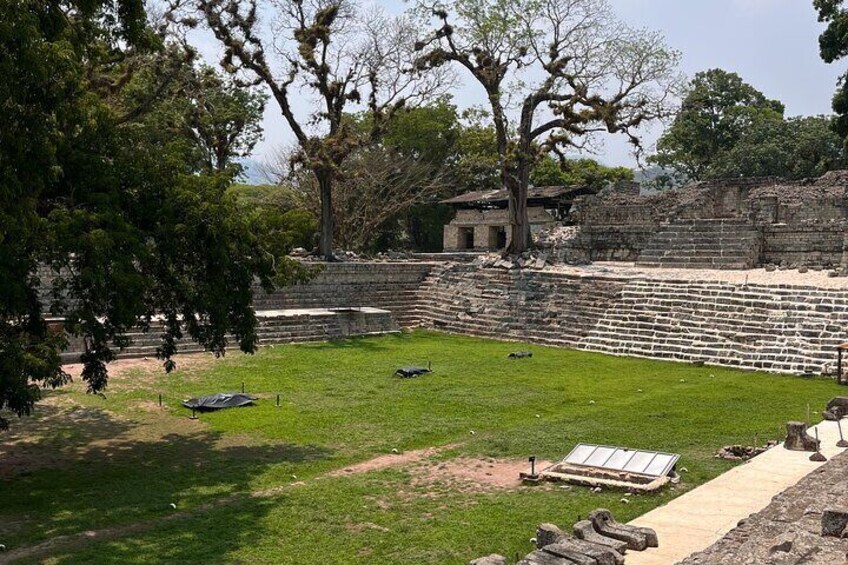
(571, 67)
(727, 128)
(103, 222)
(795, 148)
(717, 110)
(833, 46)
(218, 121)
(338, 55)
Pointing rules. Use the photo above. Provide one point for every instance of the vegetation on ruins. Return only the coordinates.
(340, 406)
(114, 188)
(386, 194)
(341, 56)
(727, 129)
(571, 68)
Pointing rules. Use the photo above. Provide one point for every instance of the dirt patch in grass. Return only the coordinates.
(406, 458)
(469, 474)
(127, 374)
(359, 528)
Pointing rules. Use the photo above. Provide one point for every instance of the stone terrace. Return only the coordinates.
(783, 321)
(707, 316)
(788, 530)
(710, 244)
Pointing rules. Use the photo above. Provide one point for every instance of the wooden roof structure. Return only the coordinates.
(535, 195)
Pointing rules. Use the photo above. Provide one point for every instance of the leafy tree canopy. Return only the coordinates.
(104, 221)
(577, 172)
(718, 108)
(833, 46)
(727, 128)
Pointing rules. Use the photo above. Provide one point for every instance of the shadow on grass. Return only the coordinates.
(212, 536)
(365, 344)
(115, 472)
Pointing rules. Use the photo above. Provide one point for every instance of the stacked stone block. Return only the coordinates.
(703, 244)
(773, 328)
(390, 286)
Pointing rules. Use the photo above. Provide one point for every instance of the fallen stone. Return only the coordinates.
(637, 538)
(836, 409)
(566, 547)
(493, 559)
(570, 553)
(549, 535)
(542, 558)
(835, 523)
(797, 438)
(585, 531)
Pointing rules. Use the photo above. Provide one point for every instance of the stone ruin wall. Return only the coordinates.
(775, 328)
(772, 328)
(801, 223)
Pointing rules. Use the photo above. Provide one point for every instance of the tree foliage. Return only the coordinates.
(719, 107)
(833, 46)
(727, 128)
(577, 172)
(333, 52)
(104, 222)
(571, 68)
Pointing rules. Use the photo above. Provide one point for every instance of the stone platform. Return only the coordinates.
(292, 325)
(782, 321)
(780, 526)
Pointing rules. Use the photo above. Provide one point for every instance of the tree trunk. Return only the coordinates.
(325, 246)
(519, 221)
(518, 185)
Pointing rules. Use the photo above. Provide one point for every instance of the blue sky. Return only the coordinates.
(772, 44)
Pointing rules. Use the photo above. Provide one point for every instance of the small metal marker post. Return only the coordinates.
(817, 456)
(160, 401)
(278, 401)
(532, 465)
(841, 442)
(242, 391)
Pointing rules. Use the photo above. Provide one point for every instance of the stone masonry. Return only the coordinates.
(789, 530)
(772, 328)
(801, 223)
(779, 328)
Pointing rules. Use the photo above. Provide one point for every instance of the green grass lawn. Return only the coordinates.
(120, 461)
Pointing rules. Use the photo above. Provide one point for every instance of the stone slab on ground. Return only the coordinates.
(696, 520)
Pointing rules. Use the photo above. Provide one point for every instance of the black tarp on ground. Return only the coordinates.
(410, 372)
(219, 401)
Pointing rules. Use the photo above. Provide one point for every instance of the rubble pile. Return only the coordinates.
(743, 452)
(600, 540)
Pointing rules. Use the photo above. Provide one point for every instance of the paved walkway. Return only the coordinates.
(694, 521)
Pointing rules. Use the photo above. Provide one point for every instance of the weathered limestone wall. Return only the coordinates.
(800, 223)
(392, 286)
(799, 244)
(774, 328)
(537, 306)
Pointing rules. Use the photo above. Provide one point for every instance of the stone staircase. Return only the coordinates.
(275, 327)
(703, 244)
(772, 328)
(790, 329)
(537, 306)
(389, 286)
